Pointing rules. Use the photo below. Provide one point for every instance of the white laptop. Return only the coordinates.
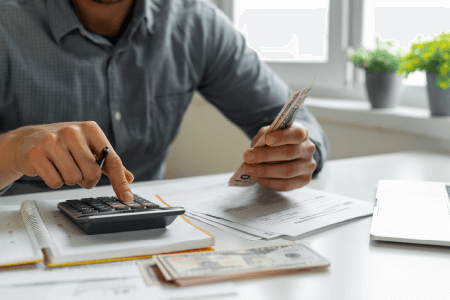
(412, 212)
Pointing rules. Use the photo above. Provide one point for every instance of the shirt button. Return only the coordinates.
(118, 116)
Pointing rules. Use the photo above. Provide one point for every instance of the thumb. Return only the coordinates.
(128, 175)
(259, 135)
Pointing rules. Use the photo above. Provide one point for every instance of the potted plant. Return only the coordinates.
(383, 85)
(432, 56)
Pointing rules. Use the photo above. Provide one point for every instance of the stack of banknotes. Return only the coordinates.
(284, 119)
(207, 267)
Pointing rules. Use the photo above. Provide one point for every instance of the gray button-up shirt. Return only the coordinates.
(53, 69)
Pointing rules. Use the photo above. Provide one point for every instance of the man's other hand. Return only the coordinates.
(286, 163)
(66, 153)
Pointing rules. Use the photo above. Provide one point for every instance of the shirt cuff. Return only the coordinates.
(319, 158)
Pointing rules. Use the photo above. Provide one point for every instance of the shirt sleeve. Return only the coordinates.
(3, 79)
(3, 71)
(5, 189)
(244, 88)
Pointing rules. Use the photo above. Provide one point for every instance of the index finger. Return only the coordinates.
(115, 170)
(294, 134)
(112, 166)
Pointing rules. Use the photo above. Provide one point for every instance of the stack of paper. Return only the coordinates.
(207, 267)
(256, 212)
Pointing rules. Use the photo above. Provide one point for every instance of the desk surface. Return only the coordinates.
(360, 268)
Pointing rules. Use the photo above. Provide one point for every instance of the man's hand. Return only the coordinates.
(64, 153)
(286, 163)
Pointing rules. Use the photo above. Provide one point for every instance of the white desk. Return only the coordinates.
(360, 268)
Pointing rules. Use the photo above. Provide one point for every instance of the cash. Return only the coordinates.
(207, 267)
(150, 273)
(284, 119)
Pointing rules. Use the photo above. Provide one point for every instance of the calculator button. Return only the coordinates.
(122, 208)
(81, 209)
(92, 202)
(141, 200)
(117, 205)
(131, 204)
(74, 203)
(88, 199)
(89, 211)
(137, 207)
(150, 205)
(105, 209)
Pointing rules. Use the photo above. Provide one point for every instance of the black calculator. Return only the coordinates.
(109, 214)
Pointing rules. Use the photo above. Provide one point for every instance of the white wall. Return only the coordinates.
(207, 143)
(210, 144)
(351, 141)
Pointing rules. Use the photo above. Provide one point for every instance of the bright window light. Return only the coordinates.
(285, 30)
(403, 21)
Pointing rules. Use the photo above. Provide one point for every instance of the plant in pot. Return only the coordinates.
(383, 85)
(433, 57)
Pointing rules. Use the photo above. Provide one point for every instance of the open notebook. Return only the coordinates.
(39, 230)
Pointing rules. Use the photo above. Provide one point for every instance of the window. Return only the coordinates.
(403, 21)
(285, 31)
(326, 31)
(323, 54)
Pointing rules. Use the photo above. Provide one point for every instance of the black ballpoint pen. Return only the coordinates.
(101, 159)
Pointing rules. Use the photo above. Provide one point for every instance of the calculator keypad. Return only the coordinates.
(110, 205)
(109, 214)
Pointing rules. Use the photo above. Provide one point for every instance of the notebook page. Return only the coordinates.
(76, 245)
(40, 274)
(15, 244)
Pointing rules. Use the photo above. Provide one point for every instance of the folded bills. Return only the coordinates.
(284, 119)
(207, 267)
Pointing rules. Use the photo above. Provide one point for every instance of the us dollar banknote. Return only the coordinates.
(284, 119)
(149, 271)
(196, 268)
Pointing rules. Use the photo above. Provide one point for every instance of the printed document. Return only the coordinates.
(286, 213)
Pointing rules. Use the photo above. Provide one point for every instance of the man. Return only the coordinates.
(79, 75)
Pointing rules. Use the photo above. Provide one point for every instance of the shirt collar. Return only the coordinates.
(143, 10)
(63, 19)
(149, 8)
